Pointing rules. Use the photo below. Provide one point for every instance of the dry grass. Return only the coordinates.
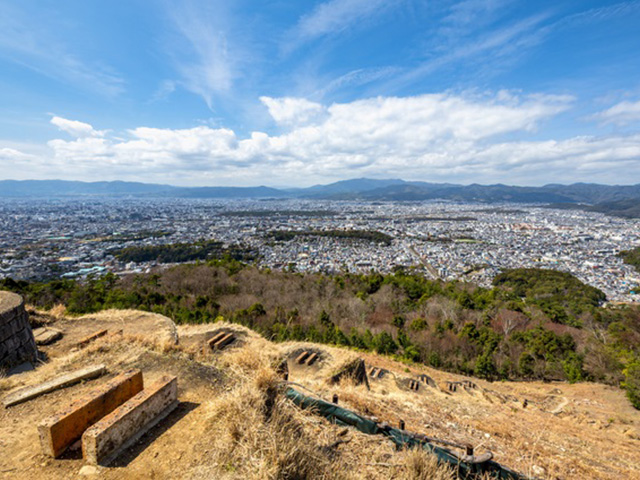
(242, 428)
(420, 465)
(58, 311)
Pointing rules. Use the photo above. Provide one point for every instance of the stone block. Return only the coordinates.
(60, 431)
(105, 440)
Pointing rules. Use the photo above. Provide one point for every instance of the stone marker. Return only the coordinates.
(105, 440)
(57, 383)
(60, 431)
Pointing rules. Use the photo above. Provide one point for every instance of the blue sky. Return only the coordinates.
(288, 92)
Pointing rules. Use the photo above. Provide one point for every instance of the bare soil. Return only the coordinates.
(580, 431)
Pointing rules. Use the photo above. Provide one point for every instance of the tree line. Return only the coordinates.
(532, 324)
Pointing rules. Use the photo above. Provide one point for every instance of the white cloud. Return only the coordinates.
(75, 128)
(335, 16)
(12, 155)
(622, 113)
(293, 111)
(439, 137)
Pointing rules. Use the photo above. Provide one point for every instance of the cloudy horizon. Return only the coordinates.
(198, 93)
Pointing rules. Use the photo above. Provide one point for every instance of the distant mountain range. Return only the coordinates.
(622, 200)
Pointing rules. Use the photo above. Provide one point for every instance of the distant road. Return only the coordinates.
(432, 271)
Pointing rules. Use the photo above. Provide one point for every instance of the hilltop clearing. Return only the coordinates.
(232, 423)
(534, 324)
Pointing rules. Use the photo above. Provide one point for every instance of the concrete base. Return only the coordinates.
(104, 441)
(60, 431)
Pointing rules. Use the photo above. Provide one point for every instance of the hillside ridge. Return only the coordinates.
(583, 430)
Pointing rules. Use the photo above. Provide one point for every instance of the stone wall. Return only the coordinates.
(16, 339)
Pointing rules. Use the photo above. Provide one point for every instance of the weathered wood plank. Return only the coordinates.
(63, 381)
(90, 338)
(224, 341)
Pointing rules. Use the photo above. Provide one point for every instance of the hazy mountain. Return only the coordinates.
(627, 208)
(354, 186)
(57, 188)
(608, 197)
(228, 192)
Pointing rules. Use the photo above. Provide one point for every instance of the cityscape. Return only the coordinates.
(75, 238)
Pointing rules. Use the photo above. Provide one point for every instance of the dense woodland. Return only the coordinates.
(632, 257)
(534, 324)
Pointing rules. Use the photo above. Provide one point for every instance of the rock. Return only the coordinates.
(22, 368)
(89, 470)
(539, 471)
(46, 336)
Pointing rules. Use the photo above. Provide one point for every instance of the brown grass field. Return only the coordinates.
(232, 423)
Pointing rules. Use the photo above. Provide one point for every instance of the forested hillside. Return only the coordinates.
(533, 324)
(632, 257)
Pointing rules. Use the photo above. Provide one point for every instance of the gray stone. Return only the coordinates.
(46, 336)
(23, 367)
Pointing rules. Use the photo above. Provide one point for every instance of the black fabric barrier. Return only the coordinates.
(400, 438)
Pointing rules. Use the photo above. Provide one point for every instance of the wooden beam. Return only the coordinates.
(302, 357)
(63, 381)
(312, 358)
(90, 338)
(215, 338)
(224, 341)
(61, 430)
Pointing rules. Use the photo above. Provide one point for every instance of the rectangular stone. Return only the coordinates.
(61, 430)
(105, 440)
(63, 381)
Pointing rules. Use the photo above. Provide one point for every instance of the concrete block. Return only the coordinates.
(105, 440)
(61, 430)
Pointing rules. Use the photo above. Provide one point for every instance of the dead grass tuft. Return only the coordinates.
(58, 311)
(422, 465)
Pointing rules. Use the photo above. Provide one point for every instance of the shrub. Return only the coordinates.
(632, 383)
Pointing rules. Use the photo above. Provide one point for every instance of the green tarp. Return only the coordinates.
(400, 438)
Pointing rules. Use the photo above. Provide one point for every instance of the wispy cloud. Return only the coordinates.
(334, 17)
(75, 128)
(208, 55)
(622, 113)
(482, 49)
(32, 42)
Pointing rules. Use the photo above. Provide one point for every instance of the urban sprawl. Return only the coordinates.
(468, 242)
